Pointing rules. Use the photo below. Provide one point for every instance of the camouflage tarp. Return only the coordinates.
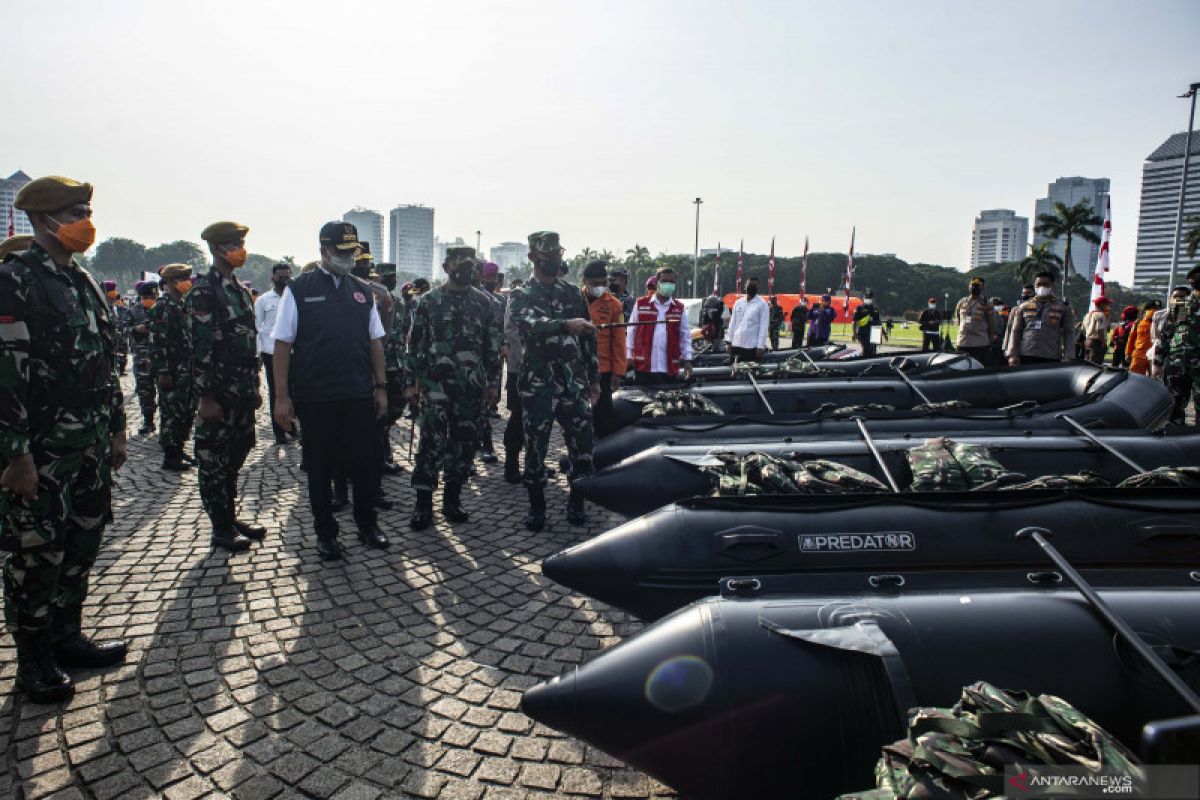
(961, 752)
(944, 405)
(946, 465)
(1081, 479)
(792, 368)
(849, 411)
(1182, 477)
(760, 473)
(680, 403)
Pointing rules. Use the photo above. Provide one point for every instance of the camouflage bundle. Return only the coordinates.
(946, 465)
(849, 411)
(962, 752)
(1080, 480)
(680, 403)
(1182, 477)
(760, 473)
(944, 405)
(792, 368)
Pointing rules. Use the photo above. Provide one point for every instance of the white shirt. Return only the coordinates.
(286, 318)
(658, 347)
(264, 319)
(748, 324)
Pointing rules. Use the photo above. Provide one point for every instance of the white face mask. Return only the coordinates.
(997, 308)
(340, 265)
(596, 291)
(1043, 291)
(933, 305)
(868, 301)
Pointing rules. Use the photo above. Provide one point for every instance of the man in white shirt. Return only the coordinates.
(660, 348)
(749, 324)
(265, 308)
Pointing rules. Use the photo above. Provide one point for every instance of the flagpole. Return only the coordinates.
(696, 251)
(717, 270)
(741, 248)
(1183, 180)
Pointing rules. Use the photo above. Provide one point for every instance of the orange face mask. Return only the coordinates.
(184, 287)
(236, 258)
(112, 295)
(76, 236)
(148, 302)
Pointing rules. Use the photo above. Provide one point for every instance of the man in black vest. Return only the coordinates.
(329, 343)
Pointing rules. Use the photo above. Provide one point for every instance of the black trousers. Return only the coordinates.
(602, 414)
(817, 341)
(1039, 360)
(981, 354)
(340, 434)
(743, 353)
(930, 340)
(648, 379)
(266, 360)
(514, 431)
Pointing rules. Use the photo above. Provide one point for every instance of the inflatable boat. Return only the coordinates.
(657, 563)
(1025, 398)
(667, 473)
(775, 356)
(793, 697)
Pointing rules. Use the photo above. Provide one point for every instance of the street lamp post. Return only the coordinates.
(477, 239)
(696, 249)
(1183, 179)
(945, 322)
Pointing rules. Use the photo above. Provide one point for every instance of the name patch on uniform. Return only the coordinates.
(314, 299)
(360, 297)
(888, 541)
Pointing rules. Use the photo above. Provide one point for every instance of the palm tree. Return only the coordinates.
(1040, 259)
(587, 254)
(1069, 222)
(1191, 237)
(638, 255)
(606, 255)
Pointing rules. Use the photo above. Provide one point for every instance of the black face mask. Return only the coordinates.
(976, 289)
(751, 291)
(615, 288)
(280, 283)
(462, 276)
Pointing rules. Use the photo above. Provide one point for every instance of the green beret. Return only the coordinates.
(1193, 272)
(52, 193)
(543, 241)
(172, 271)
(15, 244)
(224, 232)
(456, 255)
(385, 268)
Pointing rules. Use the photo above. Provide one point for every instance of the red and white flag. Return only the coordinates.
(738, 290)
(804, 270)
(1102, 261)
(849, 271)
(717, 270)
(771, 270)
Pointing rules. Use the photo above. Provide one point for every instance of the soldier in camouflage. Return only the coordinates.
(393, 349)
(171, 361)
(62, 431)
(559, 374)
(488, 281)
(453, 350)
(225, 379)
(139, 335)
(1179, 350)
(116, 304)
(385, 304)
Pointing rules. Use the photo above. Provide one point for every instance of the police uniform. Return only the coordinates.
(225, 370)
(171, 361)
(1042, 330)
(60, 404)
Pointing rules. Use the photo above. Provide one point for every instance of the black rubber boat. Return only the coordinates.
(792, 697)
(774, 356)
(657, 563)
(1021, 399)
(877, 367)
(668, 473)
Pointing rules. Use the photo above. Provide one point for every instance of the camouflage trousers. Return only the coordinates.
(53, 540)
(221, 448)
(1184, 386)
(485, 417)
(178, 411)
(540, 406)
(143, 379)
(448, 420)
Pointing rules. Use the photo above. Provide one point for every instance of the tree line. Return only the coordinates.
(124, 260)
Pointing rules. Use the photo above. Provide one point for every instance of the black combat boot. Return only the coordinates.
(227, 538)
(452, 503)
(422, 516)
(536, 519)
(576, 510)
(73, 649)
(487, 452)
(253, 532)
(38, 673)
(512, 466)
(173, 460)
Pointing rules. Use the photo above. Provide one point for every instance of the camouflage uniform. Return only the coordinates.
(1179, 351)
(453, 350)
(121, 318)
(498, 305)
(557, 370)
(225, 367)
(171, 355)
(395, 352)
(1041, 330)
(60, 400)
(143, 372)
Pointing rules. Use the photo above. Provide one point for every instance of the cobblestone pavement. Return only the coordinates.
(270, 674)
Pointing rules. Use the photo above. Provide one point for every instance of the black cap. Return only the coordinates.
(618, 272)
(420, 283)
(596, 268)
(340, 236)
(1193, 272)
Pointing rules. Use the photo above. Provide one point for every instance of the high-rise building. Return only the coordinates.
(1070, 191)
(8, 194)
(1160, 203)
(370, 228)
(410, 239)
(510, 255)
(999, 236)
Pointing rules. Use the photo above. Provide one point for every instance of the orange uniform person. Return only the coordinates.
(605, 310)
(1140, 340)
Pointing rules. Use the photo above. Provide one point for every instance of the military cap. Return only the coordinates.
(406, 288)
(15, 244)
(596, 268)
(618, 272)
(224, 232)
(173, 271)
(109, 286)
(364, 252)
(145, 288)
(422, 284)
(1193, 272)
(385, 268)
(1102, 301)
(339, 236)
(52, 193)
(977, 280)
(489, 269)
(544, 242)
(457, 255)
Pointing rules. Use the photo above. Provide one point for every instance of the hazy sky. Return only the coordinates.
(602, 120)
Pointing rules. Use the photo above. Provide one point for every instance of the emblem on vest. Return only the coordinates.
(360, 297)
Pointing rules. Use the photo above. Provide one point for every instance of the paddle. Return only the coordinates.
(866, 435)
(897, 365)
(1136, 467)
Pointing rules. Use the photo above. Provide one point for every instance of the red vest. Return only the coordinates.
(643, 339)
